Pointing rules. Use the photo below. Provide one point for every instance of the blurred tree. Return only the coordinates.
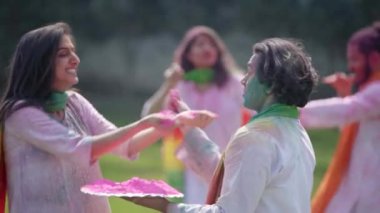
(324, 22)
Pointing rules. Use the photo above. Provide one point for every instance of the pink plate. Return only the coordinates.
(135, 187)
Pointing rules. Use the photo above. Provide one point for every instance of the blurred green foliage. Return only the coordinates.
(329, 23)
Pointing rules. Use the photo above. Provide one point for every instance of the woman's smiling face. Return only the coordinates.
(66, 65)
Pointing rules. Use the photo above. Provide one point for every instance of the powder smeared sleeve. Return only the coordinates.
(247, 171)
(199, 153)
(334, 112)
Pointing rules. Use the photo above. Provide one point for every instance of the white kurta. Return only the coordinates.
(226, 102)
(269, 166)
(360, 188)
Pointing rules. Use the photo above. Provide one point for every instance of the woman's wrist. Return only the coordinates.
(144, 123)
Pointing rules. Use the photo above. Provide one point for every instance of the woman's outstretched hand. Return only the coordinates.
(162, 121)
(186, 116)
(195, 118)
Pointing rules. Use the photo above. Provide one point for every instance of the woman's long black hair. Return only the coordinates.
(31, 70)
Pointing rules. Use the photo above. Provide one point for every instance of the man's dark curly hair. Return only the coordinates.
(286, 70)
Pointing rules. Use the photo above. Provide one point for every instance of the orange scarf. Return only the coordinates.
(217, 179)
(216, 183)
(246, 115)
(174, 167)
(3, 174)
(339, 164)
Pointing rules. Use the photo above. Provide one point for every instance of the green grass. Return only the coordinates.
(324, 142)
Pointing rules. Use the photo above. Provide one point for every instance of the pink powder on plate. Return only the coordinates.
(135, 187)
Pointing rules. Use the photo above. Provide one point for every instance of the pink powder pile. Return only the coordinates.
(135, 187)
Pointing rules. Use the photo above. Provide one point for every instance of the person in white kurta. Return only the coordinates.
(360, 187)
(268, 164)
(48, 161)
(269, 168)
(53, 137)
(226, 102)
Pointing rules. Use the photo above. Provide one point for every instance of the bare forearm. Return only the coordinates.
(104, 143)
(143, 140)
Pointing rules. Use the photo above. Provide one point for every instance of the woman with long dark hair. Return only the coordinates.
(52, 136)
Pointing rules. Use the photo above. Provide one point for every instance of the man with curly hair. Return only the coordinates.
(268, 164)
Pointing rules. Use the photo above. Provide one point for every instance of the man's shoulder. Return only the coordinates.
(254, 133)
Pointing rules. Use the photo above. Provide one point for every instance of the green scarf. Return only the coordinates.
(56, 102)
(278, 110)
(200, 76)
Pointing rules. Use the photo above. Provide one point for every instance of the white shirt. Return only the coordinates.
(227, 103)
(269, 166)
(360, 188)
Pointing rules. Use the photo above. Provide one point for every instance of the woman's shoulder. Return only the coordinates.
(78, 100)
(24, 107)
(22, 115)
(75, 95)
(79, 103)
